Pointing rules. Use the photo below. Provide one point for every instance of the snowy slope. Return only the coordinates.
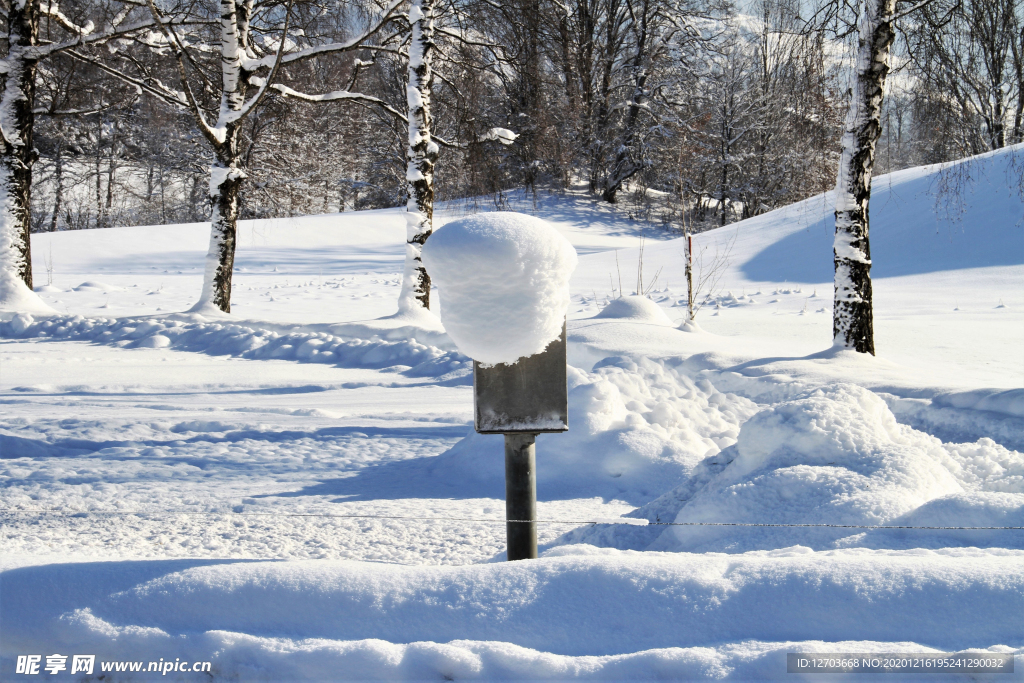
(949, 286)
(273, 491)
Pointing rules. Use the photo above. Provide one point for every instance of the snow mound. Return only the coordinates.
(92, 284)
(195, 334)
(970, 509)
(638, 427)
(331, 620)
(48, 288)
(835, 456)
(504, 283)
(1007, 402)
(16, 298)
(411, 323)
(986, 466)
(635, 308)
(957, 424)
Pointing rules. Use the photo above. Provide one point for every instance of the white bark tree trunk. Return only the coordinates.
(17, 152)
(422, 155)
(17, 74)
(852, 325)
(226, 176)
(225, 182)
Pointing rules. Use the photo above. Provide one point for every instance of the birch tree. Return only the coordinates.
(247, 74)
(423, 149)
(852, 325)
(18, 76)
(422, 154)
(422, 144)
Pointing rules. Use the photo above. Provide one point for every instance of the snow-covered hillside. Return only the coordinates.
(225, 490)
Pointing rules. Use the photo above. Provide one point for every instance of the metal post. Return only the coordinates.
(521, 496)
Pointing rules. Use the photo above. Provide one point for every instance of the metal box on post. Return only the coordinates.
(530, 396)
(522, 400)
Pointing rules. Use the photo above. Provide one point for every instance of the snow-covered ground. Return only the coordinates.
(292, 493)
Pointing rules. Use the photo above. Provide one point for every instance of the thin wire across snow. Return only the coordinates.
(627, 521)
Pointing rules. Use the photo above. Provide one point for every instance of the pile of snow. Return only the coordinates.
(1009, 402)
(15, 296)
(641, 614)
(14, 293)
(249, 340)
(638, 427)
(504, 284)
(637, 309)
(92, 284)
(502, 135)
(836, 456)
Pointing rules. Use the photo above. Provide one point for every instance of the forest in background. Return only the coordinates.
(721, 111)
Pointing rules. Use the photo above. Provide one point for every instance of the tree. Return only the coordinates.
(852, 324)
(422, 146)
(26, 49)
(967, 56)
(220, 106)
(422, 155)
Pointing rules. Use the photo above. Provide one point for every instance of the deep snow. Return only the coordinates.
(503, 280)
(160, 469)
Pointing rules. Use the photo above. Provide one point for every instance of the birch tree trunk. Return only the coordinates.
(422, 155)
(852, 325)
(18, 74)
(226, 176)
(225, 182)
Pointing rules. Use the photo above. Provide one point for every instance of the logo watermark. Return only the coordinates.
(33, 665)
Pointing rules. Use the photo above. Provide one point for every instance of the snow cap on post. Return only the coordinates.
(504, 284)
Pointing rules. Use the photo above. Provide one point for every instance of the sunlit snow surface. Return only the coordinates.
(225, 489)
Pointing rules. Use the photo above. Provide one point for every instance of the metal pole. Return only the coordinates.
(521, 496)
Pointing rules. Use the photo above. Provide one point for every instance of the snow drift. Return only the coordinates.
(641, 612)
(253, 340)
(835, 456)
(635, 308)
(638, 427)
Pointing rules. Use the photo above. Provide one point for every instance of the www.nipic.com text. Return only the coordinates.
(86, 664)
